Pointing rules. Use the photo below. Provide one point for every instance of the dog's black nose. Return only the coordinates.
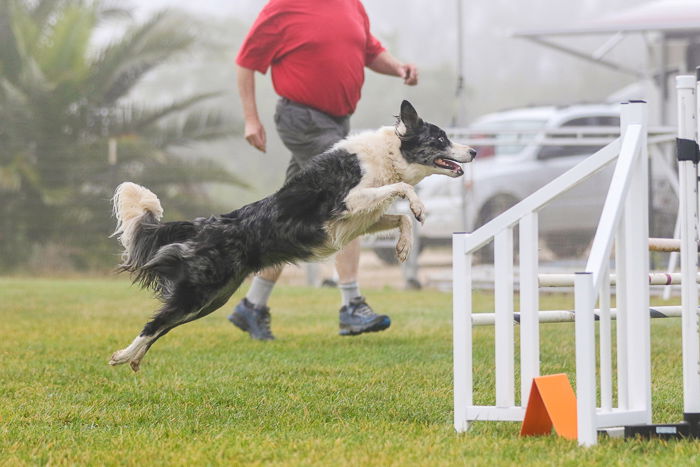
(472, 152)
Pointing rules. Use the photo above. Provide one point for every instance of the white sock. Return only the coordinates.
(259, 292)
(348, 291)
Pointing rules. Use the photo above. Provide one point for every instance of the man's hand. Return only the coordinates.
(409, 73)
(386, 64)
(255, 134)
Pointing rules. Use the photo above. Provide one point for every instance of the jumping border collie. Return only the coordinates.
(194, 267)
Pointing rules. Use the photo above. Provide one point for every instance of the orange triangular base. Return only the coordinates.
(552, 404)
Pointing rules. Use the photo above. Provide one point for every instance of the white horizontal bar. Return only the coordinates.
(664, 244)
(569, 130)
(616, 417)
(489, 413)
(620, 417)
(525, 140)
(564, 316)
(567, 280)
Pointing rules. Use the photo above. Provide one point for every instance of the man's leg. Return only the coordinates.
(302, 135)
(347, 263)
(356, 316)
(262, 285)
(252, 314)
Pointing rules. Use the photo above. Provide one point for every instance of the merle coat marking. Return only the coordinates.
(194, 267)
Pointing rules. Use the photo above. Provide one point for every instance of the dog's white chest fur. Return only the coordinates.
(385, 176)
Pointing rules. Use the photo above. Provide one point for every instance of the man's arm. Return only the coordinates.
(254, 131)
(387, 64)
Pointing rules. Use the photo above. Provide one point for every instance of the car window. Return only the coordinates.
(554, 151)
(595, 120)
(507, 131)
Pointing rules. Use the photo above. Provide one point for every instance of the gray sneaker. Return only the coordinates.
(357, 317)
(255, 321)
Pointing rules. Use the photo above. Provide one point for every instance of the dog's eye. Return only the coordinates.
(442, 140)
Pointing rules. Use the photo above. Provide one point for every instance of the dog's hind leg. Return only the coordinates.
(167, 318)
(184, 306)
(134, 352)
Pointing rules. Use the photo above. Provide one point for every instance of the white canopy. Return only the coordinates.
(668, 16)
(657, 20)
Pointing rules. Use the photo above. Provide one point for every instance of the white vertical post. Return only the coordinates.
(620, 291)
(504, 340)
(636, 280)
(462, 330)
(584, 296)
(688, 172)
(529, 305)
(605, 344)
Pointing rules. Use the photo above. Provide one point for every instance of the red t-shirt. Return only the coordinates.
(317, 50)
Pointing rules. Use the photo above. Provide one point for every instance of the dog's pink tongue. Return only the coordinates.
(448, 164)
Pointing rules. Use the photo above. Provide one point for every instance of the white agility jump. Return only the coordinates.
(623, 234)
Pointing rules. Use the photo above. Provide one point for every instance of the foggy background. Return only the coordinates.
(56, 228)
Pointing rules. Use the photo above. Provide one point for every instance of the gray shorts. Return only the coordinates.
(307, 132)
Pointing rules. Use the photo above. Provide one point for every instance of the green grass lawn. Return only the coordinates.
(207, 394)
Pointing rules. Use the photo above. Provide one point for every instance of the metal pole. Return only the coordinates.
(460, 119)
(460, 116)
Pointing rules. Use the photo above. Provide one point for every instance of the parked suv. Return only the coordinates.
(504, 174)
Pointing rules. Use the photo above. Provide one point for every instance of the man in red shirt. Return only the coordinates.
(317, 51)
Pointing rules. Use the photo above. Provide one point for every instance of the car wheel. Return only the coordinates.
(491, 209)
(386, 255)
(565, 245)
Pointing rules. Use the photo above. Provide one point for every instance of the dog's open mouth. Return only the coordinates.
(449, 165)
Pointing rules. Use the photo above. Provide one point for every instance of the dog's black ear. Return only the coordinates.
(409, 116)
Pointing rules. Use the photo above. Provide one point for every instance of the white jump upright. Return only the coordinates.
(688, 130)
(623, 228)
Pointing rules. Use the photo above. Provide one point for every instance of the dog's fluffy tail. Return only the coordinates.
(133, 206)
(152, 250)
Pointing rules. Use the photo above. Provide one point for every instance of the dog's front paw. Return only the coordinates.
(403, 248)
(418, 210)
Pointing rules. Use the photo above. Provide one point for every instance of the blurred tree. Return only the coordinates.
(64, 109)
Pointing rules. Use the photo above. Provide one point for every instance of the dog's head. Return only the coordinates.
(426, 144)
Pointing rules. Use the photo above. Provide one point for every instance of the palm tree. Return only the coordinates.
(64, 107)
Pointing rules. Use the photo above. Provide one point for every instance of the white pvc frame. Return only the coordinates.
(624, 222)
(624, 225)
